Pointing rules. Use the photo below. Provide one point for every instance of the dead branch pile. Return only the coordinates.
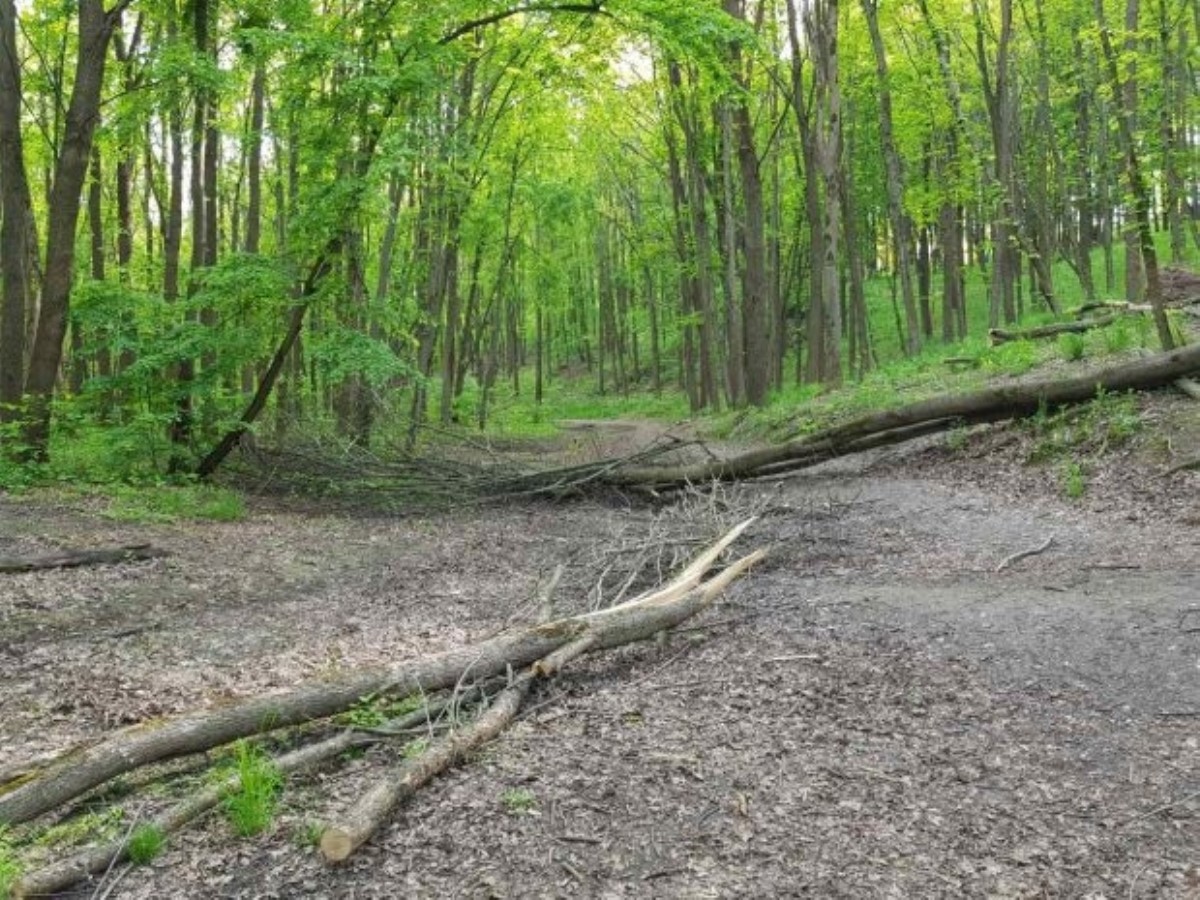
(455, 473)
(518, 657)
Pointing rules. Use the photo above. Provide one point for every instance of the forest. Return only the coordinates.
(357, 219)
(649, 448)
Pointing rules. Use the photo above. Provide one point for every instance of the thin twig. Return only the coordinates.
(1009, 560)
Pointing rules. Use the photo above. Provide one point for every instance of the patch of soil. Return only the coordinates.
(875, 712)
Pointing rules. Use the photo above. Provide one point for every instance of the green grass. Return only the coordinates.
(307, 834)
(172, 503)
(92, 826)
(10, 866)
(145, 844)
(519, 802)
(250, 808)
(1074, 482)
(1072, 346)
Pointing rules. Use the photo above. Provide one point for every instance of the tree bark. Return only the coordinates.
(1127, 99)
(16, 211)
(70, 170)
(902, 228)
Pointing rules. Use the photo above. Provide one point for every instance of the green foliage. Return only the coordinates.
(1108, 421)
(92, 826)
(172, 503)
(1072, 346)
(1074, 483)
(375, 710)
(1011, 357)
(145, 844)
(415, 748)
(307, 834)
(250, 807)
(957, 438)
(1121, 335)
(342, 353)
(10, 866)
(519, 802)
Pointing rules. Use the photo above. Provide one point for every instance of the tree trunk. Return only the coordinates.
(16, 211)
(70, 170)
(900, 220)
(821, 25)
(1126, 117)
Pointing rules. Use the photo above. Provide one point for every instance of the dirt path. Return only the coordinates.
(877, 712)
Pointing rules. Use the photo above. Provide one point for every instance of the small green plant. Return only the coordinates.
(519, 802)
(80, 829)
(250, 807)
(415, 748)
(1011, 357)
(145, 844)
(1074, 483)
(1119, 336)
(10, 867)
(373, 710)
(957, 438)
(307, 833)
(1114, 417)
(1072, 346)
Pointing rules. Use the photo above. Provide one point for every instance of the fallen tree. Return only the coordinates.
(541, 650)
(1009, 401)
(1002, 335)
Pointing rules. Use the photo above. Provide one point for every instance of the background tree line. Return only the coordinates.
(371, 215)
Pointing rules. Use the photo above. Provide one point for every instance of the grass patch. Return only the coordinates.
(251, 807)
(1074, 483)
(1072, 346)
(145, 844)
(307, 834)
(103, 826)
(173, 503)
(519, 802)
(10, 866)
(373, 711)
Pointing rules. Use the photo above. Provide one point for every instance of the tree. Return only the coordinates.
(96, 26)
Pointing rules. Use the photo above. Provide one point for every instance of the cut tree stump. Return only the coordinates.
(68, 559)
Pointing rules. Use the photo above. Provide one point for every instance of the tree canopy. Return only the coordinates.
(364, 216)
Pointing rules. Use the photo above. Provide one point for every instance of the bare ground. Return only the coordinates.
(876, 712)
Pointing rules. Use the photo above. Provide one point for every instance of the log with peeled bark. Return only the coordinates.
(893, 426)
(1001, 335)
(148, 743)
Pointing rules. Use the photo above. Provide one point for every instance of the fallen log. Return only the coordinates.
(1121, 306)
(148, 743)
(1009, 401)
(1001, 335)
(68, 559)
(611, 627)
(62, 874)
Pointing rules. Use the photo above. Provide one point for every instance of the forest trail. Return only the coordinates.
(875, 712)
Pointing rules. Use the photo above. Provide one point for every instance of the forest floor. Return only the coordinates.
(879, 710)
